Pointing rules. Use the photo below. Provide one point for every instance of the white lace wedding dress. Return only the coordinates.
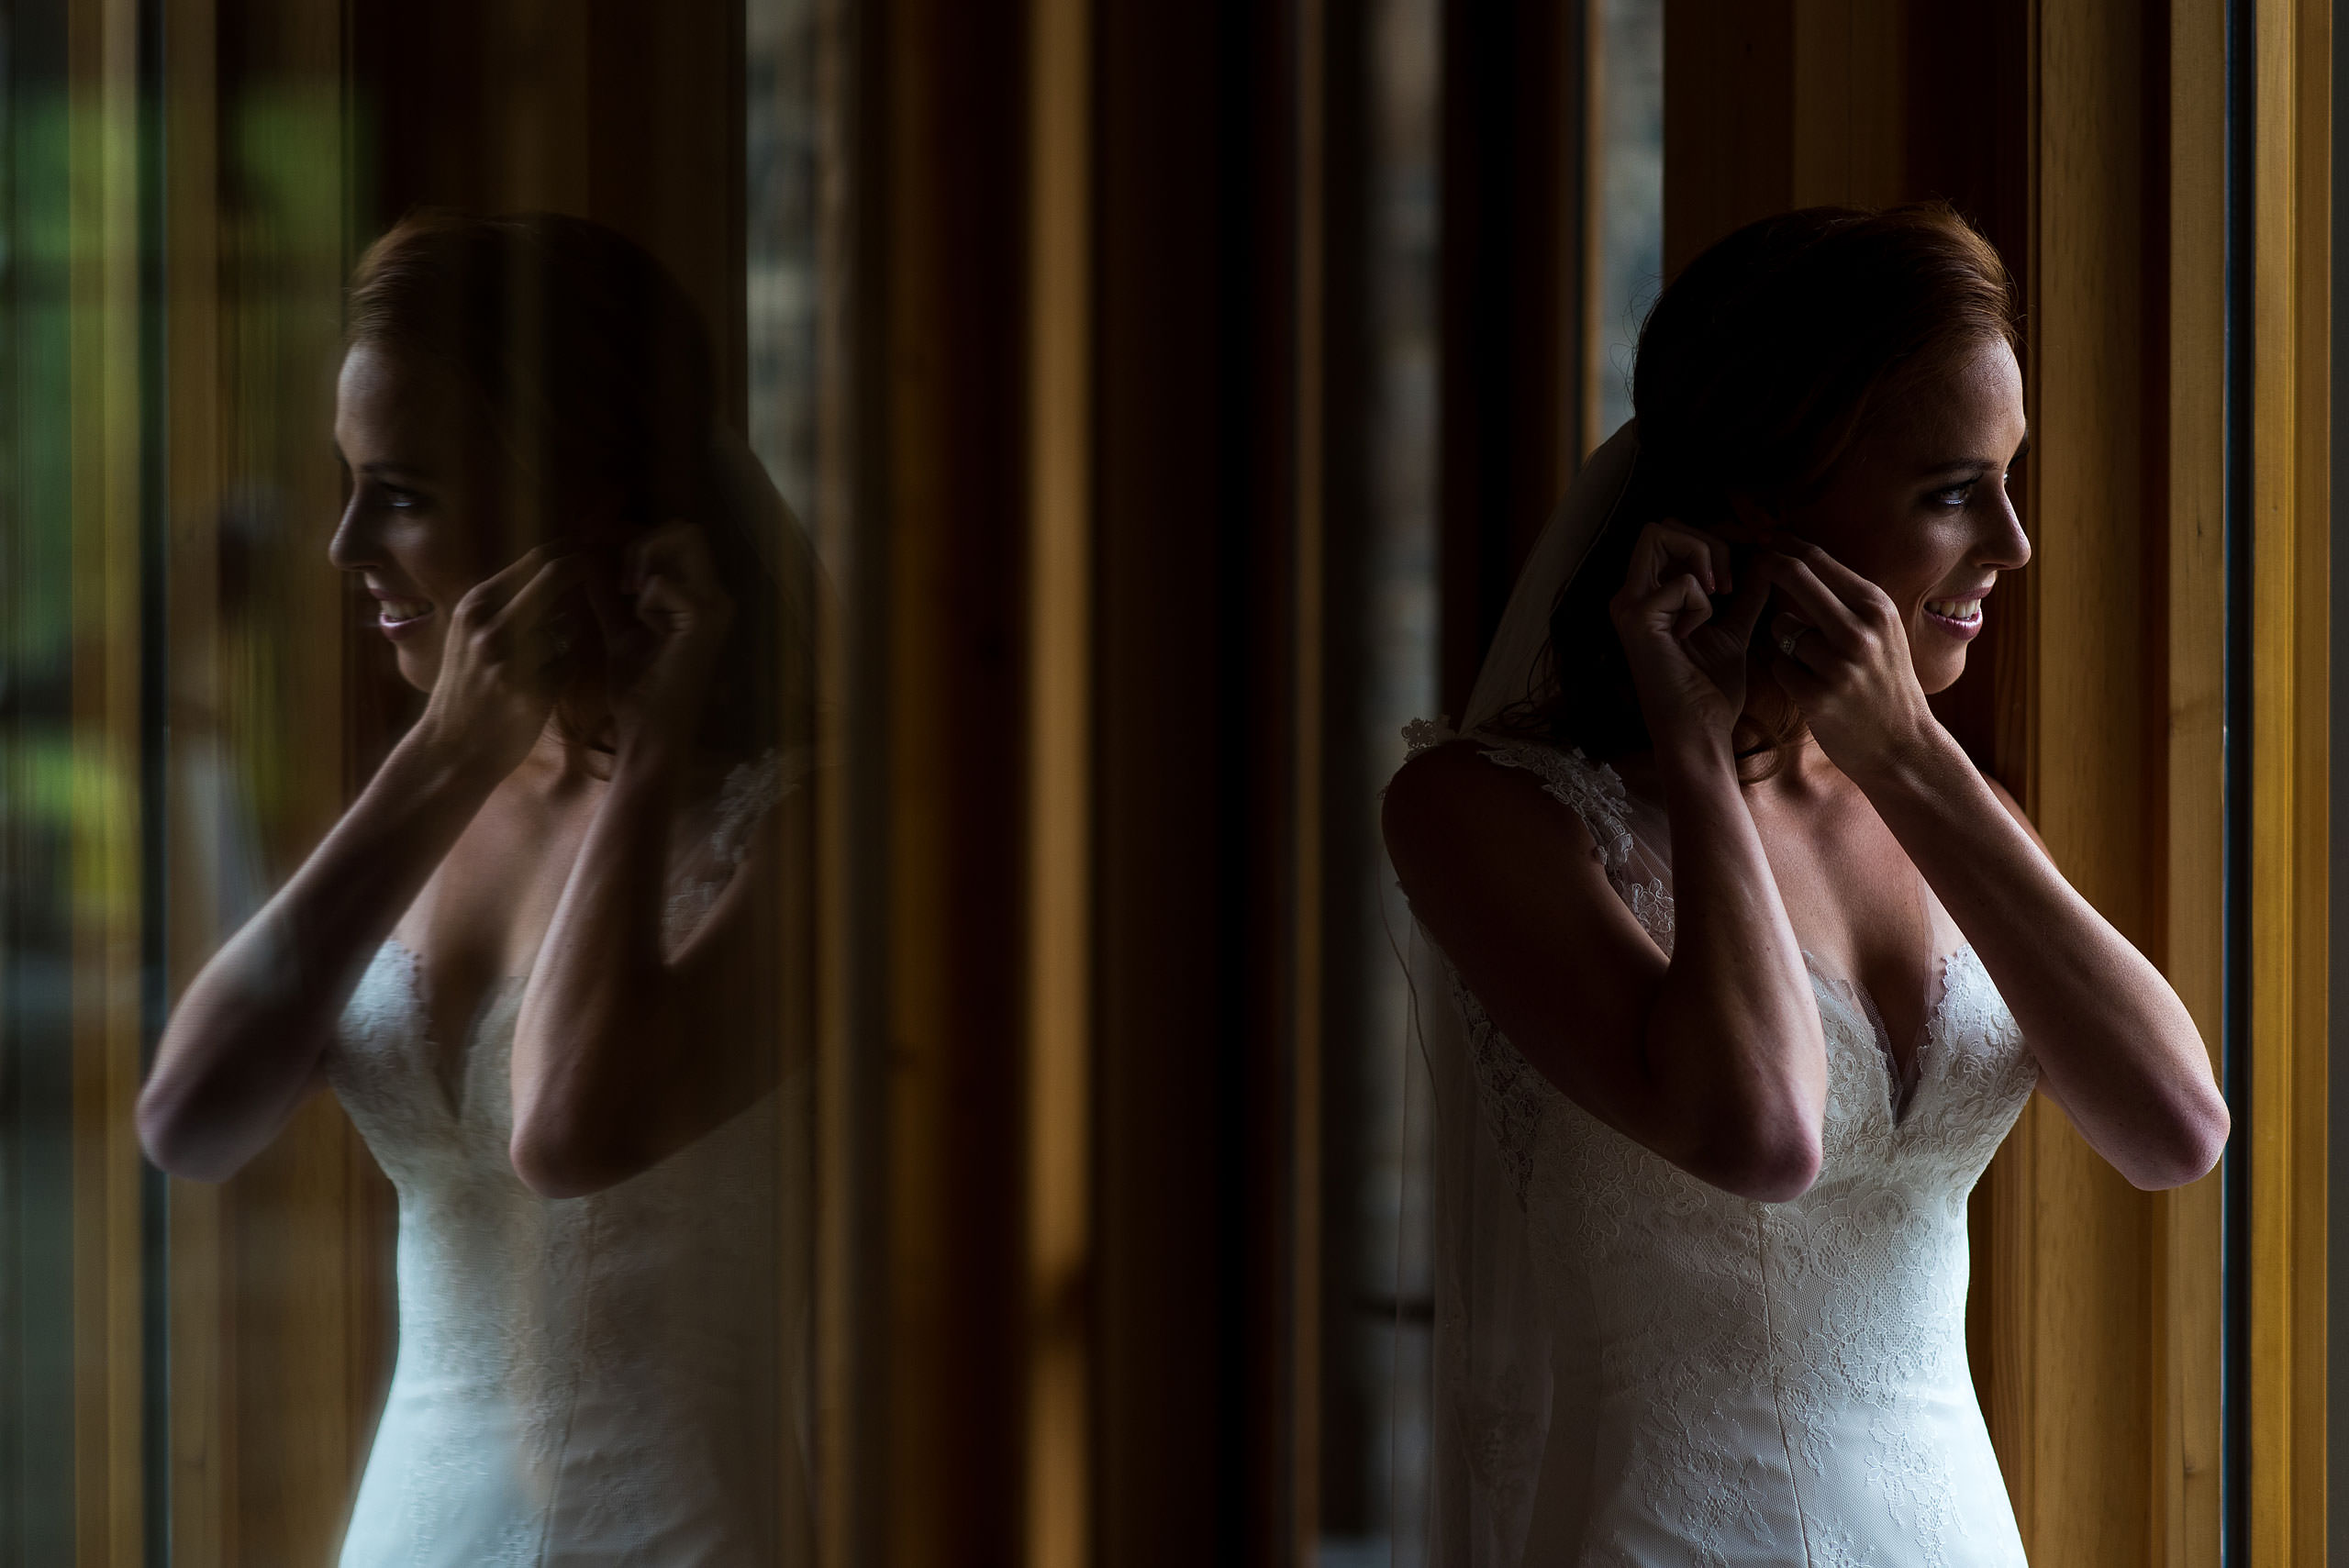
(1739, 1383)
(594, 1381)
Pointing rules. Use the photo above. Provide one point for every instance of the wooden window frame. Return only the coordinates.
(2097, 1314)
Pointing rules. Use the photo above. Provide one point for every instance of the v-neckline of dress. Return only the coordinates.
(1900, 1100)
(448, 1062)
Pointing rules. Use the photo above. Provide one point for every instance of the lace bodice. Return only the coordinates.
(589, 1380)
(1741, 1383)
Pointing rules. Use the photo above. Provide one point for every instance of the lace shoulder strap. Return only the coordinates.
(1595, 793)
(1593, 790)
(747, 794)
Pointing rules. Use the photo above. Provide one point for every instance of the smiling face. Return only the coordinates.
(415, 529)
(1920, 505)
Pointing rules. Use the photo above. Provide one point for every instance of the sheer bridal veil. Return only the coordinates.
(1497, 1374)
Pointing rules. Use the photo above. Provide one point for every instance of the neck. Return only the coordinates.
(553, 763)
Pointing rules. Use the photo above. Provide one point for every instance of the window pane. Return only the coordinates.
(1627, 160)
(389, 1301)
(1374, 1427)
(38, 795)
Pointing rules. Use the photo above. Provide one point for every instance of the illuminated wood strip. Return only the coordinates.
(2082, 1466)
(2310, 133)
(105, 320)
(203, 1470)
(1060, 945)
(2186, 1236)
(2290, 280)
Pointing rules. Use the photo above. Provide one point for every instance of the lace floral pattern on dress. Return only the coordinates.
(749, 792)
(1514, 1095)
(1771, 1383)
(1592, 790)
(582, 1379)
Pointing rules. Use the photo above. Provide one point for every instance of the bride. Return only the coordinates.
(1750, 969)
(534, 957)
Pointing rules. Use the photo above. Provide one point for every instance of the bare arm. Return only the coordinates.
(1715, 1060)
(243, 1048)
(624, 1053)
(2116, 1048)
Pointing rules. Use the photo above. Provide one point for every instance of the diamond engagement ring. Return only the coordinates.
(1786, 643)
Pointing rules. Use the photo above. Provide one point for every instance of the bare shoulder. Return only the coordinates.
(1505, 879)
(1452, 798)
(1470, 839)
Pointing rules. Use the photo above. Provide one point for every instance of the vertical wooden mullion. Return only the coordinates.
(2291, 213)
(2089, 1328)
(1508, 376)
(1341, 1499)
(956, 858)
(920, 1019)
(1059, 1522)
(2269, 958)
(2311, 109)
(300, 1331)
(2186, 1458)
(851, 1461)
(104, 305)
(1194, 793)
(1263, 677)
(203, 1520)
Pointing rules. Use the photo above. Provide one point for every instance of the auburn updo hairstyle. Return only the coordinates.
(593, 377)
(1758, 369)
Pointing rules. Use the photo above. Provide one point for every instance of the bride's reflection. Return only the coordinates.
(534, 959)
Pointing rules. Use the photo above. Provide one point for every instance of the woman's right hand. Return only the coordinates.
(500, 665)
(1689, 659)
(243, 1046)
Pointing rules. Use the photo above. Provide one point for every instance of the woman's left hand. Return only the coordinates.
(1844, 657)
(664, 642)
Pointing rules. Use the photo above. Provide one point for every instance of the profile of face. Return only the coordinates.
(1920, 505)
(415, 529)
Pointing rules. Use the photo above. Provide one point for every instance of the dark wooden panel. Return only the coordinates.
(1728, 129)
(1510, 250)
(624, 112)
(1350, 1445)
(1197, 535)
(1980, 163)
(948, 512)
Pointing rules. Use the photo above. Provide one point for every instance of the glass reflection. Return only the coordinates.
(535, 960)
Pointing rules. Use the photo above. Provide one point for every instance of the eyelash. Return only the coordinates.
(1959, 495)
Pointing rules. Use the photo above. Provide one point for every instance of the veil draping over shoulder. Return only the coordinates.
(746, 499)
(748, 503)
(751, 503)
(1498, 1378)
